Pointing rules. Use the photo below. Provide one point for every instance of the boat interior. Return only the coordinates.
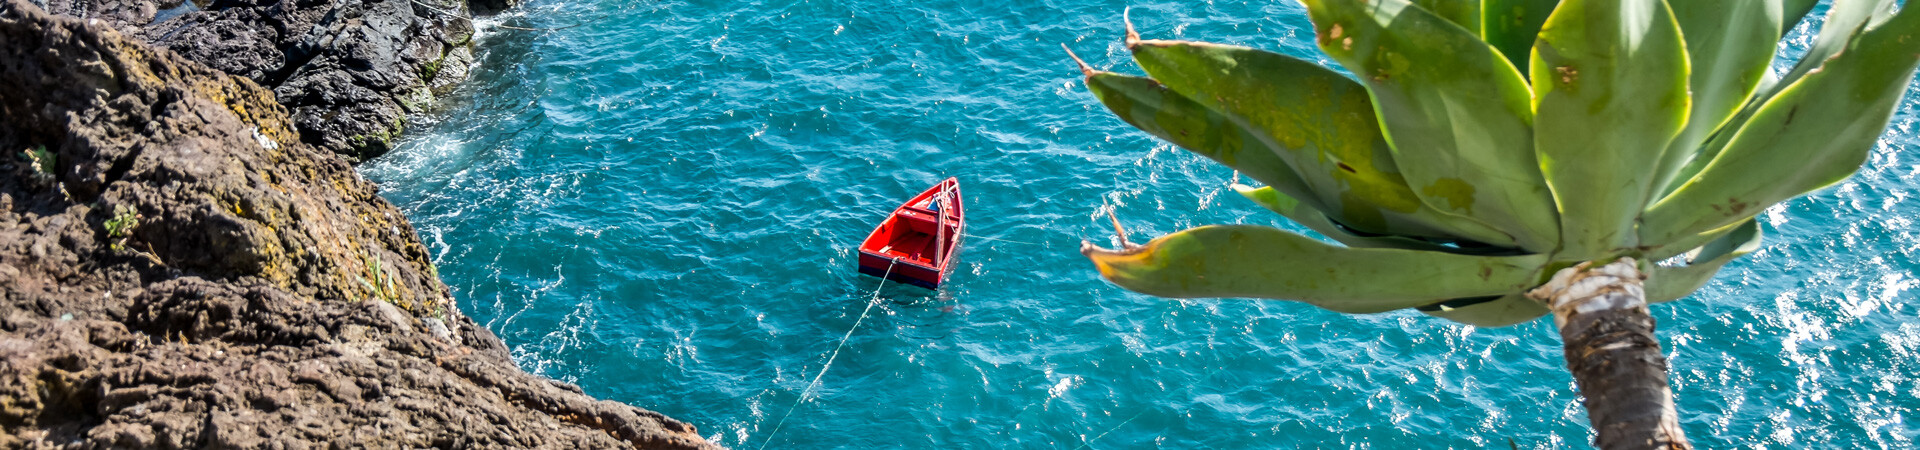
(911, 235)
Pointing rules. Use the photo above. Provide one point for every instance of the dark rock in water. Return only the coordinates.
(178, 269)
(350, 71)
(493, 6)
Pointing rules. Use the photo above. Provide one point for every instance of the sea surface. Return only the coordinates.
(659, 200)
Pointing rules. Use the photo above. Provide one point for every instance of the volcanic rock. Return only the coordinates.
(179, 268)
(349, 71)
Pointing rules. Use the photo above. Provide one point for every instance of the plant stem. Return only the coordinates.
(1611, 350)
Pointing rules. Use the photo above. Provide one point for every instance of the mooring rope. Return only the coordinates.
(1089, 442)
(836, 354)
(976, 236)
(1144, 409)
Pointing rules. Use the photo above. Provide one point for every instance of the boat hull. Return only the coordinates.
(916, 243)
(900, 272)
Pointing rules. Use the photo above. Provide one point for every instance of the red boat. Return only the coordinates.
(915, 244)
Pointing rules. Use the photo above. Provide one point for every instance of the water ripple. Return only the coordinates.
(657, 200)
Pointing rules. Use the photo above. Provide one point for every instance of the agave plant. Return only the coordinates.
(1480, 147)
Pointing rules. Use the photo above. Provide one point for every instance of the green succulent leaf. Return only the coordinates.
(1816, 132)
(1153, 108)
(1610, 86)
(1684, 244)
(1498, 312)
(1512, 25)
(1457, 116)
(1845, 20)
(1264, 262)
(1465, 13)
(1792, 12)
(1320, 123)
(1665, 284)
(1289, 207)
(1274, 200)
(1730, 46)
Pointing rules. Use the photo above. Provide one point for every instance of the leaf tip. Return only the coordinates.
(1084, 68)
(1105, 259)
(1133, 37)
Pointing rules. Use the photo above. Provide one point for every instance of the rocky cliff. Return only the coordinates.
(349, 71)
(179, 268)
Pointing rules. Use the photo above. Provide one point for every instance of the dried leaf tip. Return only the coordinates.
(1084, 68)
(1119, 231)
(1133, 37)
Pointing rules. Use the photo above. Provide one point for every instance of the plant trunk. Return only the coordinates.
(1603, 321)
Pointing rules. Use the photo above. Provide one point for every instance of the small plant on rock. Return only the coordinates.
(120, 227)
(381, 283)
(42, 162)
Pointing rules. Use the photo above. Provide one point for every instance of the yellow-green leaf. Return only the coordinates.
(1512, 25)
(1793, 12)
(1610, 86)
(1845, 19)
(1665, 284)
(1730, 44)
(1153, 108)
(1320, 123)
(1816, 132)
(1262, 262)
(1274, 200)
(1465, 13)
(1685, 244)
(1457, 115)
(1497, 312)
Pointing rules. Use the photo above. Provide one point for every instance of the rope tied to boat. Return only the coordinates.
(871, 300)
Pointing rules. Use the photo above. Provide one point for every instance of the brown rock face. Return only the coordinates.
(179, 270)
(349, 71)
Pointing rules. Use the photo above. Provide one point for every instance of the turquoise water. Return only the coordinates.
(658, 201)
